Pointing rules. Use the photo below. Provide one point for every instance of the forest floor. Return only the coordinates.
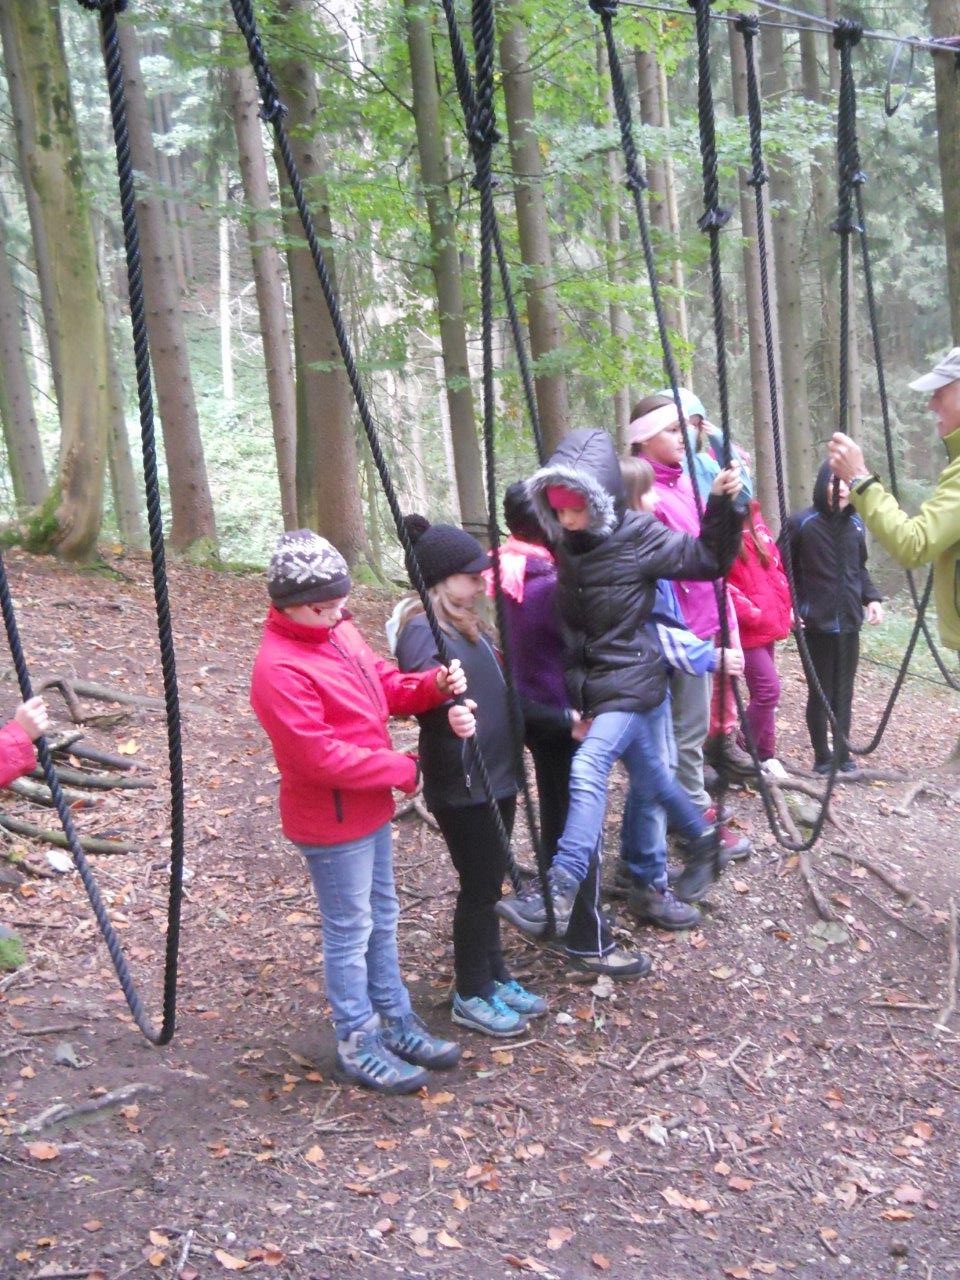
(776, 1099)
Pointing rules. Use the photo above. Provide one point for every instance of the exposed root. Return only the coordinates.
(824, 909)
(953, 971)
(906, 896)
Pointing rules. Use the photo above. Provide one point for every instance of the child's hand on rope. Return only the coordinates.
(32, 717)
(732, 660)
(729, 481)
(462, 720)
(874, 612)
(451, 681)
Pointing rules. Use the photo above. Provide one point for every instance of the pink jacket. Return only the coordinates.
(761, 594)
(677, 509)
(17, 755)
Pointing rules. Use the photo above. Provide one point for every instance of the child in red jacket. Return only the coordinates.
(761, 598)
(17, 756)
(324, 698)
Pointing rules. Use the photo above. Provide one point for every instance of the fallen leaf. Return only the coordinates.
(557, 1237)
(43, 1151)
(598, 1159)
(314, 1155)
(159, 1239)
(440, 1162)
(678, 1200)
(923, 1130)
(439, 1098)
(736, 1183)
(128, 748)
(897, 1215)
(459, 1201)
(601, 1122)
(229, 1262)
(448, 1241)
(601, 1262)
(722, 973)
(526, 1263)
(908, 1195)
(737, 1273)
(94, 1224)
(419, 1235)
(765, 1268)
(157, 1258)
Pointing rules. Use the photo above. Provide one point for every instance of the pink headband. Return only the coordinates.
(650, 424)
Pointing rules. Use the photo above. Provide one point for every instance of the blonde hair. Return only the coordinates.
(452, 614)
(637, 475)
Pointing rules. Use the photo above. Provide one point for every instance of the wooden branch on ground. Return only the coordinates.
(807, 789)
(953, 970)
(89, 844)
(824, 909)
(785, 816)
(39, 793)
(95, 781)
(73, 690)
(60, 1111)
(658, 1068)
(907, 896)
(96, 756)
(415, 805)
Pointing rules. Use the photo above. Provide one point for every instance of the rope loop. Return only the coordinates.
(748, 24)
(846, 33)
(891, 107)
(604, 8)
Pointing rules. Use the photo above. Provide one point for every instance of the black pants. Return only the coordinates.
(588, 933)
(835, 658)
(471, 836)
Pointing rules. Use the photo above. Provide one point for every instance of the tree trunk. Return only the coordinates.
(445, 263)
(533, 225)
(51, 165)
(328, 487)
(226, 337)
(268, 277)
(124, 482)
(193, 529)
(24, 452)
(165, 174)
(823, 186)
(786, 238)
(664, 216)
(765, 482)
(945, 21)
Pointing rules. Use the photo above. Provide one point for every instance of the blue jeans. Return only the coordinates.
(633, 737)
(358, 904)
(643, 833)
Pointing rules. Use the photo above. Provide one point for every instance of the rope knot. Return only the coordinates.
(758, 179)
(101, 6)
(846, 33)
(604, 8)
(482, 130)
(635, 182)
(748, 24)
(713, 219)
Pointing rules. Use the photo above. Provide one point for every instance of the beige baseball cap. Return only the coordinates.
(944, 371)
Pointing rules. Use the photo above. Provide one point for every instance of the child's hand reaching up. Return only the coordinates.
(32, 717)
(728, 481)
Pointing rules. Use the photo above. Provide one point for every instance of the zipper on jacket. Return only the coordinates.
(338, 804)
(355, 662)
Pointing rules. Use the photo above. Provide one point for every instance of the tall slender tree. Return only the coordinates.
(24, 451)
(944, 22)
(193, 528)
(52, 170)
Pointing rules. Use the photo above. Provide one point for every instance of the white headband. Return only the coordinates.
(650, 424)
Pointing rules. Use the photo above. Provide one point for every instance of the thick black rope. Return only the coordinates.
(273, 111)
(108, 11)
(477, 138)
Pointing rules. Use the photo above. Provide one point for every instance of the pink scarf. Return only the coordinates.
(514, 554)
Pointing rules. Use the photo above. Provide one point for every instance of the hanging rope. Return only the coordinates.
(108, 10)
(273, 111)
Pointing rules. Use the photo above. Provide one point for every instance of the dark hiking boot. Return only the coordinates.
(733, 847)
(661, 908)
(702, 866)
(723, 752)
(528, 911)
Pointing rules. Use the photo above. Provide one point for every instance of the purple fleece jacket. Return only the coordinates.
(536, 642)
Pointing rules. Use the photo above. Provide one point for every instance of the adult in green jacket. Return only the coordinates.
(933, 534)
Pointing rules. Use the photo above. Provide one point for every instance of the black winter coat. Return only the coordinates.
(828, 552)
(607, 576)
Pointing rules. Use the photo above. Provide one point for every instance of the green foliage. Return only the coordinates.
(12, 954)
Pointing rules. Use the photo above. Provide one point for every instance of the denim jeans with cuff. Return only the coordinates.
(358, 904)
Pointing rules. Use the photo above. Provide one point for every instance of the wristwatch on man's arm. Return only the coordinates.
(861, 482)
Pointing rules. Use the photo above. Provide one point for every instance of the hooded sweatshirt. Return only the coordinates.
(607, 575)
(828, 551)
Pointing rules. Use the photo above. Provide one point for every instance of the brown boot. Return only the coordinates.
(727, 756)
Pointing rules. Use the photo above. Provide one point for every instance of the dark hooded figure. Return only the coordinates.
(608, 563)
(827, 548)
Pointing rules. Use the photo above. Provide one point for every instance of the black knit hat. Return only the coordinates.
(306, 569)
(443, 549)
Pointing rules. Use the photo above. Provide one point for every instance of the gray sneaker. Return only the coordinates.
(661, 908)
(410, 1040)
(364, 1059)
(528, 911)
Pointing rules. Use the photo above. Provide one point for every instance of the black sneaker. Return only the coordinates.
(528, 911)
(822, 768)
(616, 964)
(849, 767)
(661, 908)
(702, 867)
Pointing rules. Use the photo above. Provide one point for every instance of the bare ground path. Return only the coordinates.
(774, 1101)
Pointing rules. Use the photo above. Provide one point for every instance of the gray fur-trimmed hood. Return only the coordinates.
(585, 461)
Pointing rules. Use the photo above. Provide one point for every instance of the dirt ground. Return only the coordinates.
(775, 1100)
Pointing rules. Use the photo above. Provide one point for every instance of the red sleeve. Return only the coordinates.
(17, 754)
(409, 693)
(306, 745)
